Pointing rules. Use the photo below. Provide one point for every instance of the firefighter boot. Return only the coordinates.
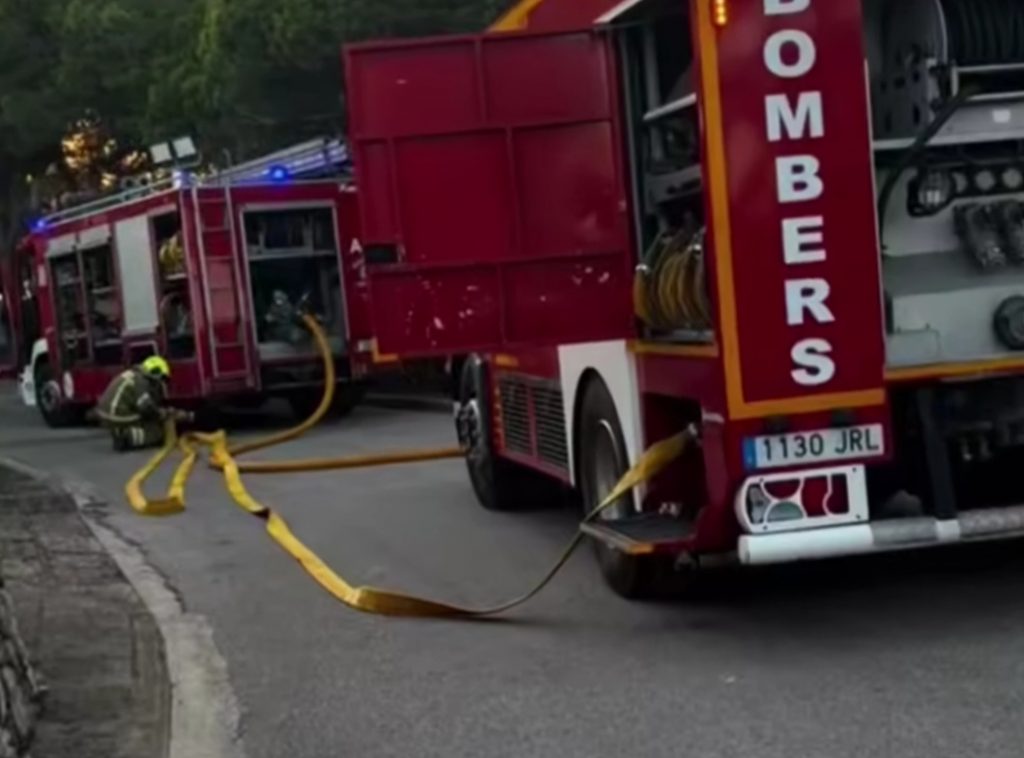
(119, 438)
(138, 437)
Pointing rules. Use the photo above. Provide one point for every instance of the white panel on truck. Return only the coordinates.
(138, 283)
(60, 245)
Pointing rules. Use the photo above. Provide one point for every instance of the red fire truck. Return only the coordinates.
(208, 274)
(795, 226)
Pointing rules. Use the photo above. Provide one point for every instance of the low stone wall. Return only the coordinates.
(97, 645)
(21, 691)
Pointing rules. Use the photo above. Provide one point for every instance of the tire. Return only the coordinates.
(602, 461)
(499, 484)
(347, 397)
(303, 404)
(57, 413)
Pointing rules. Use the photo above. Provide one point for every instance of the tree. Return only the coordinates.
(270, 72)
(241, 76)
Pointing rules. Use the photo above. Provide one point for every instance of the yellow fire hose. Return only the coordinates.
(368, 599)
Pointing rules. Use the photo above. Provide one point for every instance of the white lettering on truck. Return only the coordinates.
(802, 240)
(790, 54)
(807, 119)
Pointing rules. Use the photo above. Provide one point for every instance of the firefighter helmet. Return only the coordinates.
(157, 367)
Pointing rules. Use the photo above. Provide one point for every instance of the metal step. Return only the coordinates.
(644, 534)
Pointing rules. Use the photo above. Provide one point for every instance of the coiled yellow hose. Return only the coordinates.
(670, 286)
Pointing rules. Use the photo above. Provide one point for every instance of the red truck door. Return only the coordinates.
(492, 191)
(8, 313)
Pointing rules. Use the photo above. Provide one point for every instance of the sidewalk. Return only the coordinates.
(97, 647)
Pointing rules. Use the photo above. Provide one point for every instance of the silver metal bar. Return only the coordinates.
(108, 202)
(670, 109)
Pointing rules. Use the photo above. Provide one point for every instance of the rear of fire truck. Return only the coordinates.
(822, 202)
(211, 274)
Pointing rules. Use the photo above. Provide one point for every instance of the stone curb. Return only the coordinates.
(204, 713)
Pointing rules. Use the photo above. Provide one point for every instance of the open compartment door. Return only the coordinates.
(492, 191)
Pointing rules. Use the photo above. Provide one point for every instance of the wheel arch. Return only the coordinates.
(613, 364)
(40, 352)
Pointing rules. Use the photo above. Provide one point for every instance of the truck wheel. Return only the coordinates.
(602, 462)
(50, 399)
(346, 397)
(499, 484)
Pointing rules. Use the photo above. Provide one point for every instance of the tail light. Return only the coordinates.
(803, 500)
(720, 12)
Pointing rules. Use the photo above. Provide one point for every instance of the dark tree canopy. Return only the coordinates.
(242, 76)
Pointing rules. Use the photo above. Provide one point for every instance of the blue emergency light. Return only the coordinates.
(278, 174)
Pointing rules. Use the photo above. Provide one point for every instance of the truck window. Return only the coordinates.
(104, 306)
(27, 302)
(69, 296)
(6, 327)
(175, 306)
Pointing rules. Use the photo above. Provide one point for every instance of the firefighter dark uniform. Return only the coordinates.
(132, 407)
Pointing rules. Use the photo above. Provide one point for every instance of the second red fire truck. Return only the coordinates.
(796, 226)
(209, 274)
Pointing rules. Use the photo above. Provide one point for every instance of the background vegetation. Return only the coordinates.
(84, 83)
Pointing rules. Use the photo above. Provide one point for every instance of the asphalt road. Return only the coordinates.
(919, 656)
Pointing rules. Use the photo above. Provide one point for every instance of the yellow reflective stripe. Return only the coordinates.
(125, 380)
(115, 419)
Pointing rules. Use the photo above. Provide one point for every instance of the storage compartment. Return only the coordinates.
(660, 84)
(294, 267)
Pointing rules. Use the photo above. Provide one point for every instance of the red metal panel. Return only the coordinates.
(546, 79)
(437, 94)
(574, 297)
(813, 172)
(518, 161)
(376, 187)
(438, 312)
(465, 219)
(569, 190)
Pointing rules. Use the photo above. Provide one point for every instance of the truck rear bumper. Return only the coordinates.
(881, 537)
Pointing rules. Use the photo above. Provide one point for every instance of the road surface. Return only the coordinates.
(919, 656)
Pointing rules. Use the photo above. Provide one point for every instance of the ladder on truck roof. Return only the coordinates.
(313, 159)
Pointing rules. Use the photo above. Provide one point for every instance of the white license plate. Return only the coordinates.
(824, 445)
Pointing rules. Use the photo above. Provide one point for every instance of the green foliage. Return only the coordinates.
(242, 76)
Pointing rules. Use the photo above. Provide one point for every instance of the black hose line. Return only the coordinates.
(909, 155)
(984, 32)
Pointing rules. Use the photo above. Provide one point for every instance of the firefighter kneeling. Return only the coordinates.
(133, 408)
